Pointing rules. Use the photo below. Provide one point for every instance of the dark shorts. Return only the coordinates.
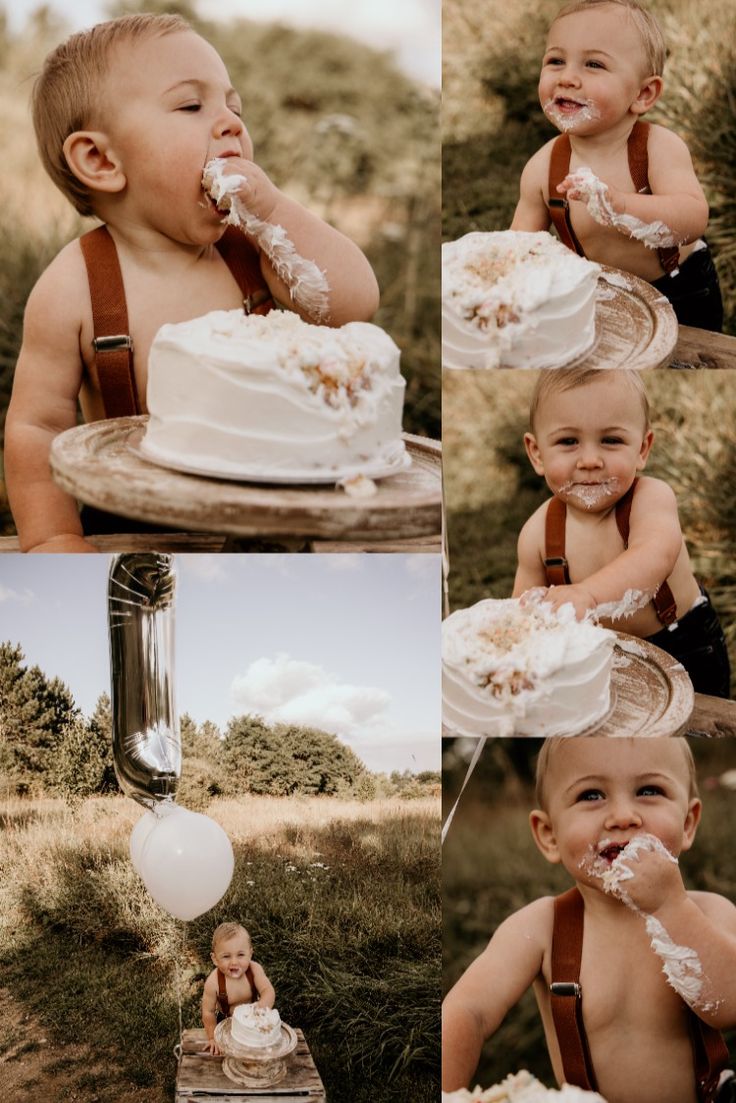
(698, 643)
(695, 293)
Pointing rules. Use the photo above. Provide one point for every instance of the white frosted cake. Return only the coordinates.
(509, 669)
(259, 396)
(255, 1026)
(522, 1087)
(515, 300)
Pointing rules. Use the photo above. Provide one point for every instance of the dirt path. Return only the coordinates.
(32, 1070)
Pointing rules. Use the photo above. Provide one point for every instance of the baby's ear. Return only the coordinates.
(646, 447)
(544, 835)
(213, 959)
(90, 157)
(532, 451)
(692, 820)
(649, 93)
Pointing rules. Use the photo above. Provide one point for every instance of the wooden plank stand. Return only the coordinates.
(200, 1077)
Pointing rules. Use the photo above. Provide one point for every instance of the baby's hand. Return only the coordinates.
(654, 879)
(604, 203)
(67, 543)
(254, 189)
(581, 599)
(534, 596)
(212, 1047)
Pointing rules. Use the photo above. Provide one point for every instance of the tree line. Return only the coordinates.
(47, 746)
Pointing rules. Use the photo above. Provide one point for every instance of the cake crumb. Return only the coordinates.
(358, 486)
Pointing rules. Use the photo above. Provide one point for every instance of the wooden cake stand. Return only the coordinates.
(99, 465)
(635, 325)
(254, 1066)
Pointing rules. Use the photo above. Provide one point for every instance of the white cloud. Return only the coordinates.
(206, 568)
(23, 597)
(293, 691)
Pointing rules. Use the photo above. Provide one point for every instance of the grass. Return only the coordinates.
(352, 944)
(491, 868)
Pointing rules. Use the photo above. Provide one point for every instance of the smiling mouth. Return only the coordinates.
(611, 852)
(566, 104)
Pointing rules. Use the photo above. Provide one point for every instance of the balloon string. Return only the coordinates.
(179, 1048)
(471, 767)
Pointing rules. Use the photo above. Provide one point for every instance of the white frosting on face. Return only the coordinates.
(269, 394)
(522, 1087)
(306, 282)
(590, 495)
(512, 669)
(680, 964)
(594, 193)
(567, 120)
(515, 299)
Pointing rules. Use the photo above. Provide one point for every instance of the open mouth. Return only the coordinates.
(565, 104)
(611, 852)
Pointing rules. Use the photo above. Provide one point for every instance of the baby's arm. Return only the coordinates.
(530, 571)
(531, 212)
(43, 404)
(655, 541)
(351, 287)
(209, 1013)
(266, 993)
(677, 201)
(477, 1005)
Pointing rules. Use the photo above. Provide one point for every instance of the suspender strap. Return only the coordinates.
(241, 257)
(566, 994)
(112, 342)
(663, 601)
(559, 208)
(222, 993)
(555, 563)
(710, 1055)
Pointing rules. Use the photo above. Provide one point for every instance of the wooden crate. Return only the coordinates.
(200, 1078)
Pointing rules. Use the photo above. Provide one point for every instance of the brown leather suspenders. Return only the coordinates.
(710, 1055)
(555, 562)
(112, 341)
(559, 208)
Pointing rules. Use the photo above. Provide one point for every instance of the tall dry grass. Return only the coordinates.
(342, 901)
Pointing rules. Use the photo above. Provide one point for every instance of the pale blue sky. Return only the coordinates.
(362, 630)
(410, 29)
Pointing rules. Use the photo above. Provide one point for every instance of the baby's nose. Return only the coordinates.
(622, 813)
(228, 124)
(590, 457)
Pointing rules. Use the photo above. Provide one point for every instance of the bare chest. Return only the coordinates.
(239, 991)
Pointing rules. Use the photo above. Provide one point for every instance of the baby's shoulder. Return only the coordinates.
(717, 908)
(662, 139)
(653, 491)
(534, 921)
(536, 169)
(61, 287)
(211, 981)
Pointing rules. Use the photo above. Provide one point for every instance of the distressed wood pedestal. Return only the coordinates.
(200, 1078)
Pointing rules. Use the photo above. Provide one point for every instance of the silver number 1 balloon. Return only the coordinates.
(146, 741)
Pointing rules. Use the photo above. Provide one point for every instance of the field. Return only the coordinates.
(491, 868)
(342, 901)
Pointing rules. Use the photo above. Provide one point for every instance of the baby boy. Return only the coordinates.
(236, 979)
(634, 975)
(618, 190)
(127, 116)
(608, 536)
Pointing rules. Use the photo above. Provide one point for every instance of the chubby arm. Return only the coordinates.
(655, 541)
(353, 290)
(677, 199)
(43, 404)
(266, 993)
(530, 571)
(477, 1005)
(531, 212)
(209, 1012)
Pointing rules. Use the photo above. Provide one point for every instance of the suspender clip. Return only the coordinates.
(111, 344)
(566, 988)
(561, 203)
(556, 561)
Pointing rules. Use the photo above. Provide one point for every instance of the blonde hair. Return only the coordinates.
(557, 380)
(68, 89)
(550, 746)
(649, 30)
(226, 931)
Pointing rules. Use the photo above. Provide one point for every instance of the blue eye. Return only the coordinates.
(191, 107)
(590, 795)
(650, 791)
(595, 65)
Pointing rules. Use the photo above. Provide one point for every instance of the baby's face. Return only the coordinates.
(593, 67)
(601, 792)
(169, 107)
(233, 955)
(590, 441)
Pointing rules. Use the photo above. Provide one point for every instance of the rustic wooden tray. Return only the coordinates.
(635, 325)
(652, 692)
(200, 1078)
(97, 464)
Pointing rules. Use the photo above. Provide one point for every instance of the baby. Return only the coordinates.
(235, 979)
(127, 116)
(608, 536)
(634, 975)
(618, 190)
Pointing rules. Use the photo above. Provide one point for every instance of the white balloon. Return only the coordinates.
(143, 827)
(185, 860)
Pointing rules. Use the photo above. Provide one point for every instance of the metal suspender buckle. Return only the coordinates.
(561, 203)
(110, 344)
(566, 988)
(556, 561)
